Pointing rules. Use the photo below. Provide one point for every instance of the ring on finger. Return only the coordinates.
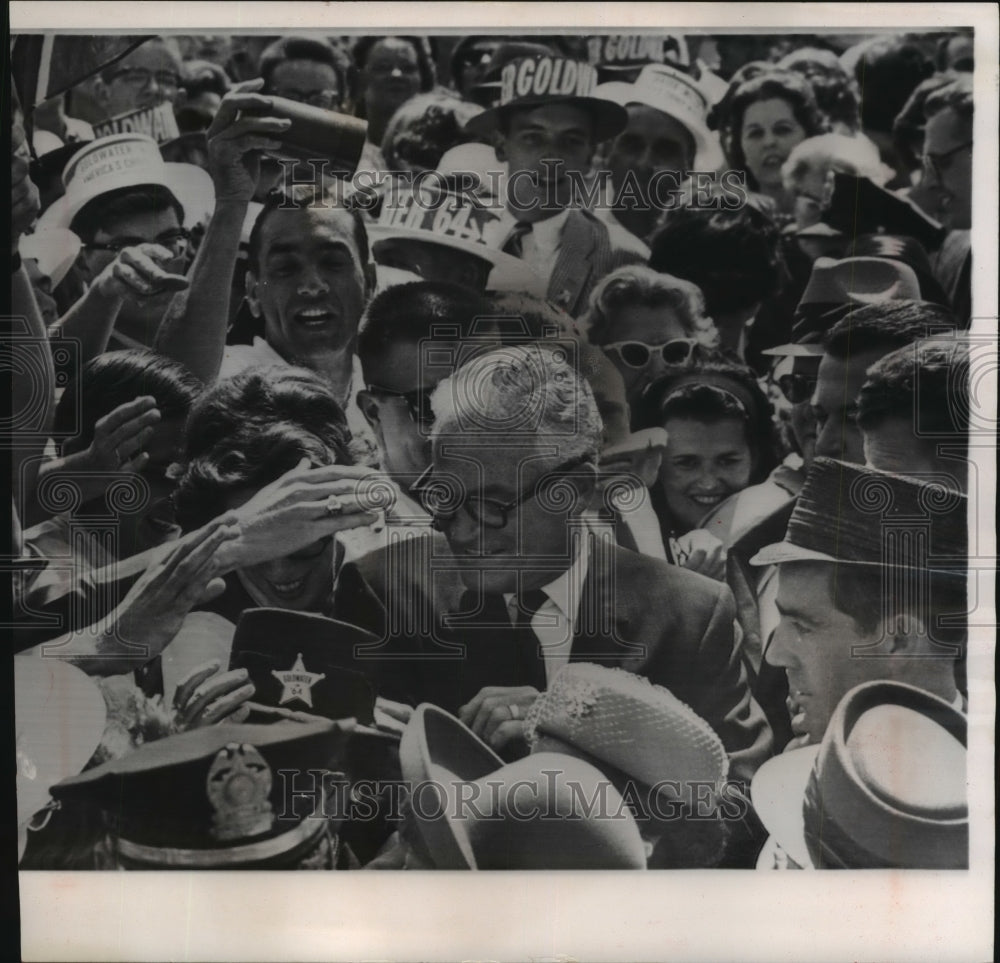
(515, 712)
(334, 506)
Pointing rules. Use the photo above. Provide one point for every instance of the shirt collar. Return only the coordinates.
(548, 232)
(566, 590)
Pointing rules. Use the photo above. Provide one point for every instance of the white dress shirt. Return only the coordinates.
(556, 619)
(540, 246)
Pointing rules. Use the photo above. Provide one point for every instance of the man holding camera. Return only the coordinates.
(309, 276)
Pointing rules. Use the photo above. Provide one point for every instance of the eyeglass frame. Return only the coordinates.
(327, 99)
(158, 75)
(418, 403)
(440, 522)
(116, 247)
(804, 379)
(932, 162)
(652, 350)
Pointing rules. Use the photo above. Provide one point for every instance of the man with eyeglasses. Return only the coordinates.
(133, 214)
(308, 70)
(522, 589)
(147, 77)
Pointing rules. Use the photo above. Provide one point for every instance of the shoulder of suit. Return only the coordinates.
(673, 584)
(618, 238)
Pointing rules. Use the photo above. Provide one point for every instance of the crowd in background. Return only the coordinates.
(658, 341)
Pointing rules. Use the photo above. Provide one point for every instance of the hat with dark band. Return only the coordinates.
(545, 811)
(886, 788)
(529, 82)
(223, 796)
(847, 514)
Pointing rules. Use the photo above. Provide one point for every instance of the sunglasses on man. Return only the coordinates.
(797, 388)
(637, 354)
(418, 403)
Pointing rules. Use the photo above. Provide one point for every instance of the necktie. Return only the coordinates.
(514, 244)
(531, 662)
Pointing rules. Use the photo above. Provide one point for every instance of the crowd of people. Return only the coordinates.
(575, 428)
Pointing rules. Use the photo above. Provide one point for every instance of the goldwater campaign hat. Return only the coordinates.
(529, 82)
(844, 511)
(451, 221)
(127, 160)
(621, 56)
(220, 797)
(545, 811)
(676, 94)
(886, 788)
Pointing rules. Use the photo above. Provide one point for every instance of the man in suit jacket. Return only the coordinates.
(547, 126)
(478, 619)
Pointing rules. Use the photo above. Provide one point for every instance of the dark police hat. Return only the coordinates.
(223, 797)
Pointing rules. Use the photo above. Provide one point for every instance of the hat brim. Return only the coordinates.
(436, 748)
(610, 119)
(776, 791)
(795, 351)
(191, 186)
(787, 552)
(507, 273)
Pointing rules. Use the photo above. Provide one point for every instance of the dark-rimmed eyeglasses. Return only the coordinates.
(937, 164)
(797, 388)
(442, 500)
(141, 78)
(174, 241)
(636, 354)
(418, 403)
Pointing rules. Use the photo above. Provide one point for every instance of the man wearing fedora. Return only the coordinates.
(666, 137)
(522, 588)
(547, 126)
(875, 592)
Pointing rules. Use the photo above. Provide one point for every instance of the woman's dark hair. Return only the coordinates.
(304, 48)
(247, 431)
(774, 84)
(363, 47)
(116, 378)
(836, 90)
(888, 71)
(123, 202)
(733, 256)
(711, 388)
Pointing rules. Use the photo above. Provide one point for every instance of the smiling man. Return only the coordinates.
(548, 124)
(479, 628)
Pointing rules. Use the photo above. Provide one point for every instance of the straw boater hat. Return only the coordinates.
(529, 814)
(886, 789)
(613, 718)
(451, 221)
(544, 79)
(676, 94)
(221, 796)
(850, 281)
(128, 160)
(844, 511)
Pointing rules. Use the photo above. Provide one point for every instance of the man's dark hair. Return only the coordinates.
(888, 71)
(886, 327)
(116, 378)
(957, 95)
(733, 256)
(926, 383)
(123, 202)
(304, 48)
(302, 197)
(247, 431)
(417, 311)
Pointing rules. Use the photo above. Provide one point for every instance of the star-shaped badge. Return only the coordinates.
(297, 682)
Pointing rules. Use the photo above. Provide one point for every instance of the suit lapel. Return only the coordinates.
(574, 264)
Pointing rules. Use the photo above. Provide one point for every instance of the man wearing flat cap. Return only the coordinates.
(547, 125)
(523, 588)
(875, 592)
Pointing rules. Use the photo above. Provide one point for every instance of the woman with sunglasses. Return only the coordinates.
(272, 445)
(646, 322)
(720, 440)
